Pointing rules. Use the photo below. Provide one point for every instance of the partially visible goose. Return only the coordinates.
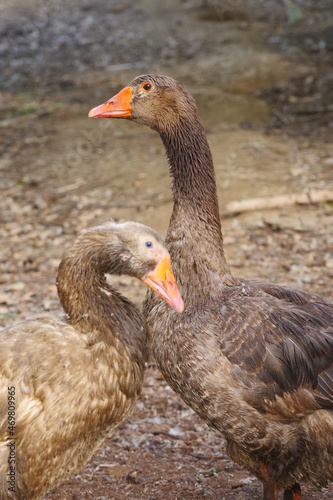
(65, 385)
(253, 359)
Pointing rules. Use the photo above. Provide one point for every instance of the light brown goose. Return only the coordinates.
(253, 359)
(65, 385)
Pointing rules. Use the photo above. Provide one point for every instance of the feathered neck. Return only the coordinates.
(92, 305)
(194, 236)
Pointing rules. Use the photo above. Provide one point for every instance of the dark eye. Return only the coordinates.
(149, 244)
(146, 86)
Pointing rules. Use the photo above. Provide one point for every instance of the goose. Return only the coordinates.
(252, 359)
(66, 384)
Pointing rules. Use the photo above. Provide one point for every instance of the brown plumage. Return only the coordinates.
(253, 359)
(72, 382)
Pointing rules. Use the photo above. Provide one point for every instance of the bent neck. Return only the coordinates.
(195, 226)
(93, 306)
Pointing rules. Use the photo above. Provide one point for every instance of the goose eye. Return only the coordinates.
(147, 86)
(149, 244)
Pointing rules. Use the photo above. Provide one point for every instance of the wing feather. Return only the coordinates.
(284, 336)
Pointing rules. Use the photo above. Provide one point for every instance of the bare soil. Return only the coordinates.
(262, 77)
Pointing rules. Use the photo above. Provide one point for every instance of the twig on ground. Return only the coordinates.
(279, 201)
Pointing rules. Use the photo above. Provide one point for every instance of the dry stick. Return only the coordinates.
(279, 201)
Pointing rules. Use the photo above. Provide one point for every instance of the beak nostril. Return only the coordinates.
(171, 285)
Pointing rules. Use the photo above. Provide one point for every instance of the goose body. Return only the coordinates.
(253, 359)
(66, 384)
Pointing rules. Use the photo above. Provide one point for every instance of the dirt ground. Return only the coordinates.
(261, 73)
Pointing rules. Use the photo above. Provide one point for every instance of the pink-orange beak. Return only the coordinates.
(163, 282)
(117, 107)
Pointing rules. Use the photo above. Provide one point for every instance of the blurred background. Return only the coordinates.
(262, 75)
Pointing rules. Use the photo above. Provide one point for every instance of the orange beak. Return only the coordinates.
(163, 282)
(117, 107)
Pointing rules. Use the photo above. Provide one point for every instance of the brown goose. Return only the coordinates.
(65, 385)
(254, 360)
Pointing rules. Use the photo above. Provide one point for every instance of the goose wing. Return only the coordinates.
(283, 338)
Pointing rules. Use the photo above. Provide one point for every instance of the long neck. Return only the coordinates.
(194, 236)
(93, 306)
